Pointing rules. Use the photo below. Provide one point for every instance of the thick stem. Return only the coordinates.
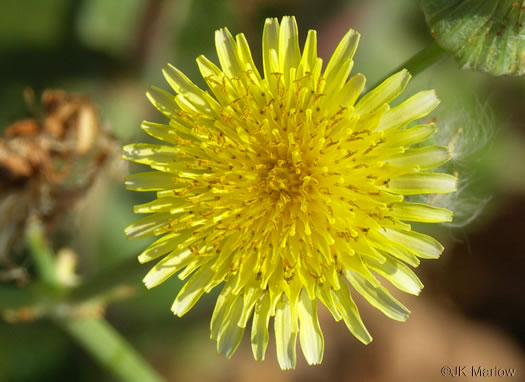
(105, 344)
(419, 62)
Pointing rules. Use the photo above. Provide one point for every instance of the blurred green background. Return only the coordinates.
(471, 310)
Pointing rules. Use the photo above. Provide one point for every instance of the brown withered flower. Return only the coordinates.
(48, 162)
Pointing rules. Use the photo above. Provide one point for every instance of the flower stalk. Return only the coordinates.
(109, 348)
(42, 254)
(128, 271)
(422, 60)
(48, 297)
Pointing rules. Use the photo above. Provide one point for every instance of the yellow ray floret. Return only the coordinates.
(287, 188)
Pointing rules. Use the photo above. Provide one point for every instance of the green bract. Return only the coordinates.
(483, 35)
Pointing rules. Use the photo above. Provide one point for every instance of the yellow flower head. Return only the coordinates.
(286, 190)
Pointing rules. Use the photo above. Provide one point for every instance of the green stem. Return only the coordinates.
(128, 271)
(16, 298)
(419, 62)
(43, 257)
(94, 334)
(104, 343)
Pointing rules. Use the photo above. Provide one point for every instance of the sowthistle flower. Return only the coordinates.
(287, 188)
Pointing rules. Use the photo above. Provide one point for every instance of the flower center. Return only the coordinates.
(283, 177)
(286, 180)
